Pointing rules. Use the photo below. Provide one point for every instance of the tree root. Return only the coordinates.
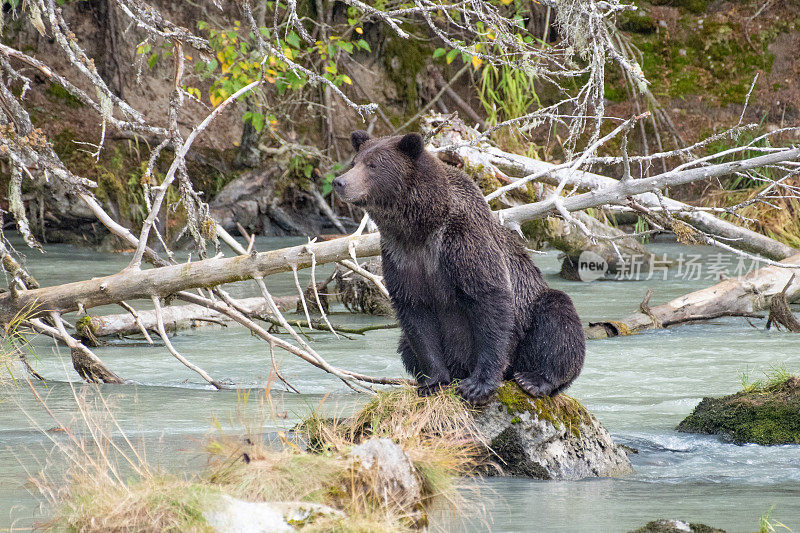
(779, 312)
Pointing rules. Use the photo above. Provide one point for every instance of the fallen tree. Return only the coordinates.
(176, 317)
(466, 142)
(135, 283)
(732, 297)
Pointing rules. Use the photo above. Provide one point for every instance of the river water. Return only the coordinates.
(640, 387)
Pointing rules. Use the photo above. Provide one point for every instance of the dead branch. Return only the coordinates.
(779, 312)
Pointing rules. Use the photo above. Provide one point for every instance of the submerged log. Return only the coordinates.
(732, 297)
(360, 295)
(618, 249)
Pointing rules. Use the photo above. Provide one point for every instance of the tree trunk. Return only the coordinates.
(737, 236)
(132, 284)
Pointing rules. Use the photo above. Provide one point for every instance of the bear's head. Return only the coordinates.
(383, 169)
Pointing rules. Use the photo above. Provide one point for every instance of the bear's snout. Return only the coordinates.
(350, 186)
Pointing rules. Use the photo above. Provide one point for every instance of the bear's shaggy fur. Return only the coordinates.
(471, 304)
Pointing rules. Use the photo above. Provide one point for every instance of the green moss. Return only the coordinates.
(403, 60)
(769, 415)
(488, 182)
(58, 92)
(614, 93)
(670, 526)
(86, 322)
(636, 22)
(693, 6)
(560, 410)
(708, 55)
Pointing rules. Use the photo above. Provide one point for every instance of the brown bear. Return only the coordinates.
(471, 304)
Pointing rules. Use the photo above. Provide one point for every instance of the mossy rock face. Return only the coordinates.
(636, 22)
(676, 526)
(693, 6)
(547, 438)
(764, 416)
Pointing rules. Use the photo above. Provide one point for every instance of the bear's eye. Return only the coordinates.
(371, 165)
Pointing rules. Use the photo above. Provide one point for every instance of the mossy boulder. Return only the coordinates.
(768, 415)
(676, 526)
(547, 438)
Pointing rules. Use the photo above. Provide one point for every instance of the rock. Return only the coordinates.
(231, 515)
(675, 526)
(386, 469)
(768, 415)
(547, 438)
(623, 254)
(261, 203)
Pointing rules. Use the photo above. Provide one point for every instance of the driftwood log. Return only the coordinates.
(176, 317)
(732, 297)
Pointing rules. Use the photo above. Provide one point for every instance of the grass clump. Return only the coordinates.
(154, 503)
(437, 432)
(111, 486)
(766, 524)
(773, 379)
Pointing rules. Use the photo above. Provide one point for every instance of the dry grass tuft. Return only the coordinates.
(153, 503)
(777, 218)
(110, 485)
(437, 432)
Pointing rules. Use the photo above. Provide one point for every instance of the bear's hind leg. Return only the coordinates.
(534, 384)
(550, 355)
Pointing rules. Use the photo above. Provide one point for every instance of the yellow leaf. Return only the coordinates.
(214, 99)
(477, 62)
(188, 57)
(347, 80)
(270, 79)
(220, 57)
(490, 34)
(288, 53)
(359, 31)
(506, 2)
(272, 61)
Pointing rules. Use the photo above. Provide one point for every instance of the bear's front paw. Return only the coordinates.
(476, 391)
(426, 389)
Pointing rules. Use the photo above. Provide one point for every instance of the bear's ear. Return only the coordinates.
(411, 145)
(357, 138)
